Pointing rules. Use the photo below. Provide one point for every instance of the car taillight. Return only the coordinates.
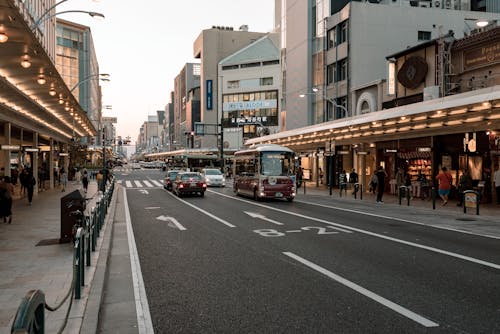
(181, 185)
(204, 185)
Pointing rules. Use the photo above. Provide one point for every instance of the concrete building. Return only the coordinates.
(185, 83)
(76, 61)
(211, 46)
(249, 91)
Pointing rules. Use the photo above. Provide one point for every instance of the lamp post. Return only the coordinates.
(46, 16)
(100, 76)
(329, 99)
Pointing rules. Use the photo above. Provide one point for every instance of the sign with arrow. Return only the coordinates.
(173, 221)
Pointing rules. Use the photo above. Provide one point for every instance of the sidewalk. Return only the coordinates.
(31, 258)
(450, 216)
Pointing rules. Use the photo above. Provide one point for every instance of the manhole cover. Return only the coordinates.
(466, 219)
(47, 242)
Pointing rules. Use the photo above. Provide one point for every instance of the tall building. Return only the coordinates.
(211, 46)
(335, 52)
(76, 61)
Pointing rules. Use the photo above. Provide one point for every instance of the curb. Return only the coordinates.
(90, 318)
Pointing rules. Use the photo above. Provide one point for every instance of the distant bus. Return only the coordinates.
(265, 171)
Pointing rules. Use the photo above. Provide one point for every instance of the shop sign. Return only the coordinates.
(63, 154)
(209, 94)
(31, 149)
(391, 151)
(471, 199)
(482, 56)
(10, 147)
(343, 152)
(423, 149)
(362, 153)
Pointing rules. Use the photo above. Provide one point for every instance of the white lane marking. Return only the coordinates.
(151, 207)
(256, 215)
(144, 323)
(408, 243)
(172, 220)
(156, 183)
(398, 219)
(204, 212)
(119, 181)
(138, 184)
(149, 185)
(128, 184)
(367, 293)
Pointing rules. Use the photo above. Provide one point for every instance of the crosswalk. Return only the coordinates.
(141, 183)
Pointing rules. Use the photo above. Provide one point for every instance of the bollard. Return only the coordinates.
(77, 268)
(361, 191)
(433, 194)
(88, 238)
(304, 187)
(356, 189)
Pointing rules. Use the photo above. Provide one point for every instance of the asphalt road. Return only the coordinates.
(227, 264)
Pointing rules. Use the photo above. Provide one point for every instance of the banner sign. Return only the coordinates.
(209, 94)
(249, 105)
(10, 147)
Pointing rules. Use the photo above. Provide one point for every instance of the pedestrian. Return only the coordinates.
(343, 181)
(353, 179)
(64, 179)
(400, 180)
(23, 179)
(464, 183)
(373, 183)
(445, 180)
(496, 181)
(381, 175)
(300, 176)
(30, 186)
(6, 192)
(78, 175)
(320, 175)
(85, 180)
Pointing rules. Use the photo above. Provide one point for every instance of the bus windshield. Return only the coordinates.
(277, 163)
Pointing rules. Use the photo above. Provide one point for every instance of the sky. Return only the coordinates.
(144, 45)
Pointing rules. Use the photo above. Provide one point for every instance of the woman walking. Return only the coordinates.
(30, 186)
(85, 180)
(6, 192)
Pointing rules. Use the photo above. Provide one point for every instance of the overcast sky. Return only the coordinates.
(144, 45)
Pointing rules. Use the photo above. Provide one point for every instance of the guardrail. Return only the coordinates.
(30, 315)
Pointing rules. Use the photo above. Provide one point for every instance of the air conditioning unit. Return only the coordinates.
(431, 93)
(449, 4)
(424, 4)
(437, 4)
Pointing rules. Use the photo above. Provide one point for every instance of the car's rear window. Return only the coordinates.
(186, 177)
(212, 172)
(172, 175)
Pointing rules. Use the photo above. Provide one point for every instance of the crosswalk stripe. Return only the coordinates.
(158, 184)
(128, 184)
(147, 184)
(138, 184)
(120, 181)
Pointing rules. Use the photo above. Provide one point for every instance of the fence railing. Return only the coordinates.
(30, 315)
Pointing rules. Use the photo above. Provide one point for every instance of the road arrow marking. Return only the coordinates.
(259, 216)
(143, 191)
(173, 221)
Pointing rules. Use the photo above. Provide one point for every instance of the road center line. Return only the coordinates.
(408, 243)
(203, 211)
(367, 293)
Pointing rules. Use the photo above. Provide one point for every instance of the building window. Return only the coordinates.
(266, 81)
(424, 35)
(342, 32)
(271, 62)
(230, 67)
(332, 38)
(233, 84)
(330, 74)
(341, 112)
(342, 70)
(250, 65)
(196, 69)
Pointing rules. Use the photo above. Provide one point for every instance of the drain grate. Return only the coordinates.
(466, 219)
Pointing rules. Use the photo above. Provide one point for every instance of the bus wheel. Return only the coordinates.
(289, 199)
(255, 197)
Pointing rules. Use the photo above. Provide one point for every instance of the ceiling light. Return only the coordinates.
(41, 79)
(25, 61)
(3, 37)
(61, 100)
(52, 91)
(482, 23)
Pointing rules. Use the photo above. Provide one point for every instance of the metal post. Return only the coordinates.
(433, 194)
(408, 195)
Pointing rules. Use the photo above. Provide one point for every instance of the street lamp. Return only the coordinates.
(326, 117)
(46, 14)
(100, 76)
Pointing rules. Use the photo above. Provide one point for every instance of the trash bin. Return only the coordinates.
(71, 202)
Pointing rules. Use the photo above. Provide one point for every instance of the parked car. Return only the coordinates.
(169, 178)
(189, 183)
(213, 177)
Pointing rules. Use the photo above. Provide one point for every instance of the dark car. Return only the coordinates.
(169, 179)
(191, 183)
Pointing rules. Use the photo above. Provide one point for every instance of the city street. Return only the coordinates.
(229, 264)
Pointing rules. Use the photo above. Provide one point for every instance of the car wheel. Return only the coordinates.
(289, 199)
(202, 194)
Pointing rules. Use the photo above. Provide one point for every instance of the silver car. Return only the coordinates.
(213, 177)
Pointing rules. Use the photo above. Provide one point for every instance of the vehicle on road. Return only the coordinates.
(169, 178)
(189, 183)
(213, 177)
(136, 165)
(265, 171)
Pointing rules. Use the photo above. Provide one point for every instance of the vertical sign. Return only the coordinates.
(391, 75)
(209, 94)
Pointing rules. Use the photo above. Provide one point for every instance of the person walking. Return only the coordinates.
(6, 192)
(381, 175)
(444, 178)
(400, 180)
(30, 186)
(464, 183)
(64, 179)
(353, 179)
(85, 180)
(373, 183)
(343, 181)
(496, 181)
